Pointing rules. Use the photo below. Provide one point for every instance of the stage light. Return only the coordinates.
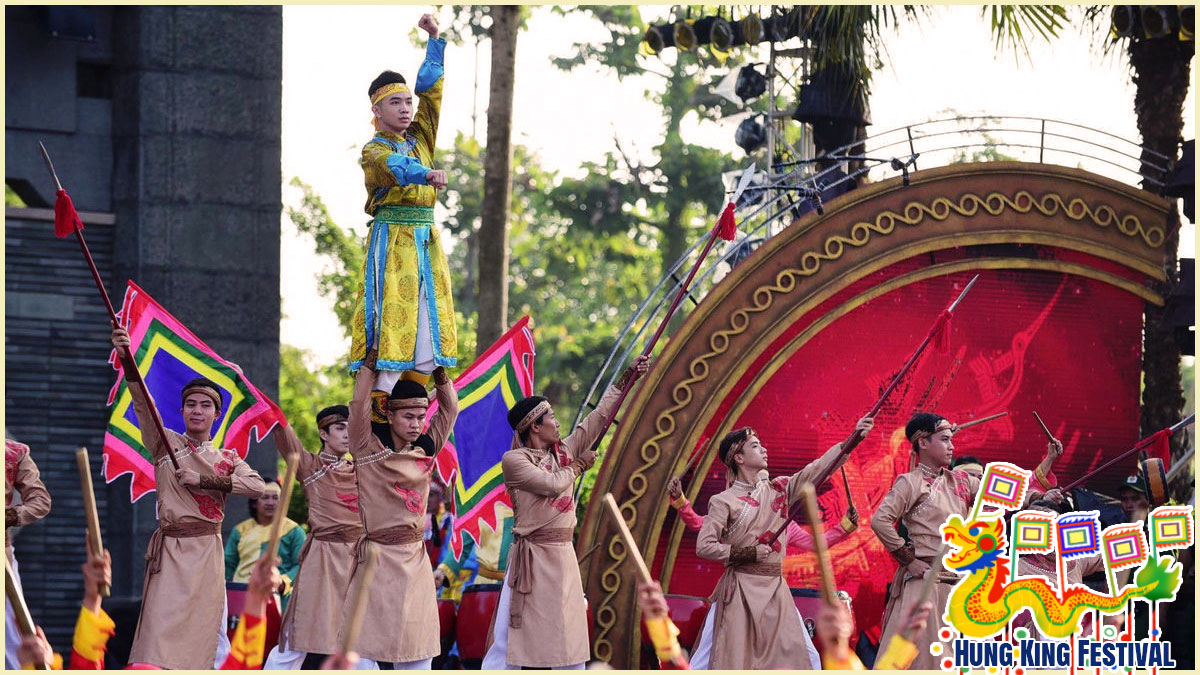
(750, 83)
(685, 36)
(659, 38)
(1187, 21)
(750, 135)
(714, 30)
(1125, 21)
(1158, 21)
(747, 31)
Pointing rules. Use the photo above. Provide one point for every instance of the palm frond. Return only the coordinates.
(1014, 26)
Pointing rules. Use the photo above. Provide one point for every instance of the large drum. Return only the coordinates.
(235, 596)
(474, 620)
(447, 614)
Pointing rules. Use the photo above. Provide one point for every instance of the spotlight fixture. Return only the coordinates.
(1158, 21)
(685, 35)
(659, 38)
(1125, 21)
(714, 30)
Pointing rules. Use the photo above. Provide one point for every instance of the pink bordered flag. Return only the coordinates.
(1032, 532)
(168, 356)
(1003, 486)
(1125, 546)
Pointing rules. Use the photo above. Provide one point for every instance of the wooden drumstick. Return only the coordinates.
(808, 496)
(89, 508)
(1043, 425)
(285, 497)
(24, 619)
(634, 553)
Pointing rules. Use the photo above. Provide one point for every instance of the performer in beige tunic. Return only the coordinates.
(183, 595)
(922, 499)
(753, 622)
(21, 474)
(400, 623)
(541, 617)
(310, 624)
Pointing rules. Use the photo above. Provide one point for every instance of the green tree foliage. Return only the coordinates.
(342, 252)
(683, 186)
(578, 274)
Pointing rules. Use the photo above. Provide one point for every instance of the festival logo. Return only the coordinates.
(1021, 604)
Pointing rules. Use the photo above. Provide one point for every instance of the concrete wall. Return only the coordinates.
(175, 142)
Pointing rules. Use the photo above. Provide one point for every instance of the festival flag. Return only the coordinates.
(1124, 546)
(1172, 527)
(1003, 485)
(169, 355)
(1032, 532)
(1078, 534)
(470, 462)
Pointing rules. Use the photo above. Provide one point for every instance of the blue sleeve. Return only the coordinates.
(432, 68)
(406, 169)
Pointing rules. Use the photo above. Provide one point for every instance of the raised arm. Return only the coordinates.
(590, 428)
(824, 465)
(287, 442)
(443, 420)
(359, 425)
(522, 474)
(429, 86)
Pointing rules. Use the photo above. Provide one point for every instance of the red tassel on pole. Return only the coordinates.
(941, 332)
(727, 224)
(66, 219)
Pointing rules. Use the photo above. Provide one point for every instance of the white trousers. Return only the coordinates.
(222, 636)
(497, 656)
(702, 655)
(422, 353)
(291, 659)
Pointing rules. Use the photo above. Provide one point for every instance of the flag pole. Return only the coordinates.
(132, 374)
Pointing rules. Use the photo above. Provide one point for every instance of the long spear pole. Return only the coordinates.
(856, 436)
(726, 228)
(1139, 446)
(132, 374)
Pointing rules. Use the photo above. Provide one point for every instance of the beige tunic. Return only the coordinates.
(183, 595)
(755, 623)
(923, 504)
(314, 612)
(552, 613)
(22, 475)
(400, 622)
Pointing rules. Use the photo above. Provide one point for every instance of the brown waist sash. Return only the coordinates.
(184, 530)
(520, 558)
(339, 534)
